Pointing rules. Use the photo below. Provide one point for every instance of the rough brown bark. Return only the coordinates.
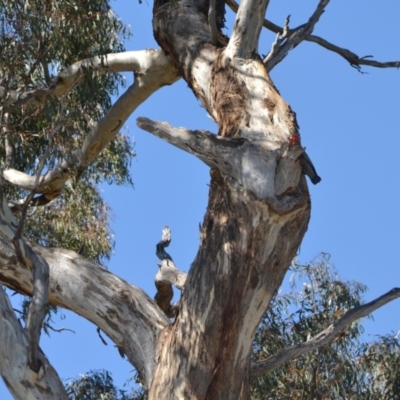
(244, 254)
(255, 218)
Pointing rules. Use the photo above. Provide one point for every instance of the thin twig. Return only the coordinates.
(280, 38)
(354, 60)
(45, 324)
(296, 36)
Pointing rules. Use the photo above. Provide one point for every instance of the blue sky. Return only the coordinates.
(349, 123)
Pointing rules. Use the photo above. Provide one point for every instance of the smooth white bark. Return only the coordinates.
(123, 311)
(246, 31)
(248, 164)
(153, 70)
(23, 383)
(117, 62)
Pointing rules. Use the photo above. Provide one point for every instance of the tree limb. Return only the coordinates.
(280, 38)
(325, 337)
(21, 381)
(247, 28)
(354, 60)
(40, 272)
(66, 79)
(153, 70)
(124, 312)
(279, 52)
(38, 307)
(251, 166)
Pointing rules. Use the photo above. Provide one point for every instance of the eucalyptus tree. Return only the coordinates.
(61, 136)
(349, 368)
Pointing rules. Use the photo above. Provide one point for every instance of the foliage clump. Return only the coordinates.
(38, 39)
(346, 369)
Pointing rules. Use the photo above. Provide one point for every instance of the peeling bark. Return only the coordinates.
(244, 254)
(22, 382)
(256, 216)
(122, 311)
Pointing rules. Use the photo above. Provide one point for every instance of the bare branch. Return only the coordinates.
(38, 307)
(280, 38)
(267, 24)
(47, 325)
(325, 337)
(8, 143)
(354, 60)
(295, 37)
(202, 144)
(168, 273)
(246, 32)
(10, 150)
(22, 382)
(230, 155)
(119, 62)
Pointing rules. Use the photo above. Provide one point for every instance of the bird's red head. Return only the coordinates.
(294, 139)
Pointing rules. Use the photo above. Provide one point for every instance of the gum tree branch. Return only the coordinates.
(280, 38)
(247, 28)
(22, 382)
(247, 163)
(325, 337)
(354, 60)
(40, 271)
(124, 312)
(38, 306)
(153, 70)
(279, 52)
(66, 79)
